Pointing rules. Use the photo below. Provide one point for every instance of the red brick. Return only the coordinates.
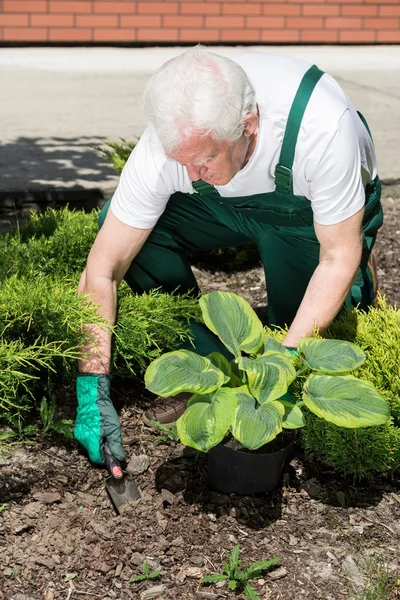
(179, 21)
(27, 34)
(343, 23)
(70, 35)
(315, 35)
(265, 22)
(321, 9)
(283, 36)
(389, 11)
(381, 23)
(52, 20)
(240, 35)
(385, 2)
(96, 21)
(140, 21)
(114, 35)
(200, 8)
(13, 20)
(388, 36)
(199, 35)
(160, 8)
(24, 6)
(282, 9)
(241, 9)
(357, 36)
(225, 22)
(304, 23)
(70, 7)
(360, 10)
(157, 35)
(114, 7)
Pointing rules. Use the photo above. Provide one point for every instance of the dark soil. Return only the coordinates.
(61, 540)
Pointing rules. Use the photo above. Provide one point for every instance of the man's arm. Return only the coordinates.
(115, 247)
(340, 257)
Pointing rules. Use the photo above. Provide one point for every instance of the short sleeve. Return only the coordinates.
(336, 187)
(145, 186)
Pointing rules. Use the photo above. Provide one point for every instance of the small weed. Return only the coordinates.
(2, 508)
(15, 572)
(379, 584)
(170, 434)
(47, 414)
(147, 574)
(238, 579)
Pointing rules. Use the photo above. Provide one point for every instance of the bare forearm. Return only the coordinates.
(325, 294)
(96, 354)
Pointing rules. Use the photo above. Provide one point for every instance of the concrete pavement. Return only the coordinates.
(57, 103)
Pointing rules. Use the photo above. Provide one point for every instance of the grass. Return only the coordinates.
(379, 584)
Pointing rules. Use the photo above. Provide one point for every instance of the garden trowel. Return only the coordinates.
(121, 487)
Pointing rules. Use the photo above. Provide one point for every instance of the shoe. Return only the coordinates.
(166, 410)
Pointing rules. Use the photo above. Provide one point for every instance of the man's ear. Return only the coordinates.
(250, 124)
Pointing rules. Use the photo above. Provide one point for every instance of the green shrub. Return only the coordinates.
(118, 152)
(54, 243)
(364, 453)
(149, 325)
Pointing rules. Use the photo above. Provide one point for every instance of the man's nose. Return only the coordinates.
(194, 171)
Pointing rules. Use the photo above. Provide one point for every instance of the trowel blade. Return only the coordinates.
(122, 491)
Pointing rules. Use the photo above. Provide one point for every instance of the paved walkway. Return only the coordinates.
(57, 103)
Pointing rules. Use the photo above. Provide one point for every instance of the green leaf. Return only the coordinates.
(269, 375)
(257, 568)
(233, 320)
(183, 371)
(234, 558)
(63, 427)
(250, 592)
(293, 417)
(70, 576)
(220, 362)
(44, 414)
(214, 578)
(207, 419)
(254, 425)
(345, 401)
(136, 578)
(331, 356)
(233, 584)
(269, 343)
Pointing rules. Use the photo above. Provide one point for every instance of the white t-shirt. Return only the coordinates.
(334, 157)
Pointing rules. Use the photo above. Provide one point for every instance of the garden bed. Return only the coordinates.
(60, 538)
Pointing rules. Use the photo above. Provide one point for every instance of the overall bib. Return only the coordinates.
(280, 222)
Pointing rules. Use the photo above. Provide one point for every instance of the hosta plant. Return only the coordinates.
(248, 395)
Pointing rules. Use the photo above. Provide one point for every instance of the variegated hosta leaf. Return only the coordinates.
(255, 425)
(270, 343)
(293, 417)
(269, 376)
(345, 401)
(233, 320)
(331, 356)
(183, 371)
(207, 419)
(219, 361)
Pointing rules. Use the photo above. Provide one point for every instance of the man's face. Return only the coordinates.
(215, 162)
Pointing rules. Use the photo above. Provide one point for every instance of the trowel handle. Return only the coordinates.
(113, 465)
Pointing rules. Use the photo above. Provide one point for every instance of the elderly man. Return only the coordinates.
(262, 148)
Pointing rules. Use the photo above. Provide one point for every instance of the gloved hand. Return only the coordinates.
(96, 418)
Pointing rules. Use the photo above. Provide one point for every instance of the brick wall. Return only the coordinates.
(227, 21)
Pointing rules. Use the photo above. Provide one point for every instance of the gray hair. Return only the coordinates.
(198, 91)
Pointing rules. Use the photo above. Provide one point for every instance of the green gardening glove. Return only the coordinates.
(96, 418)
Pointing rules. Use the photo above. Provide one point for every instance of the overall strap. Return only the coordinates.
(204, 189)
(283, 170)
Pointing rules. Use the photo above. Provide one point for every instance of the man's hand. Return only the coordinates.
(97, 420)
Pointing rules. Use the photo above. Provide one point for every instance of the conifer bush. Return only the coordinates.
(364, 453)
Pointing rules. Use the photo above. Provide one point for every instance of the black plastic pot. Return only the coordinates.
(235, 471)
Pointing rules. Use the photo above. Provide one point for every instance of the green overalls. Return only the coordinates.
(279, 222)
